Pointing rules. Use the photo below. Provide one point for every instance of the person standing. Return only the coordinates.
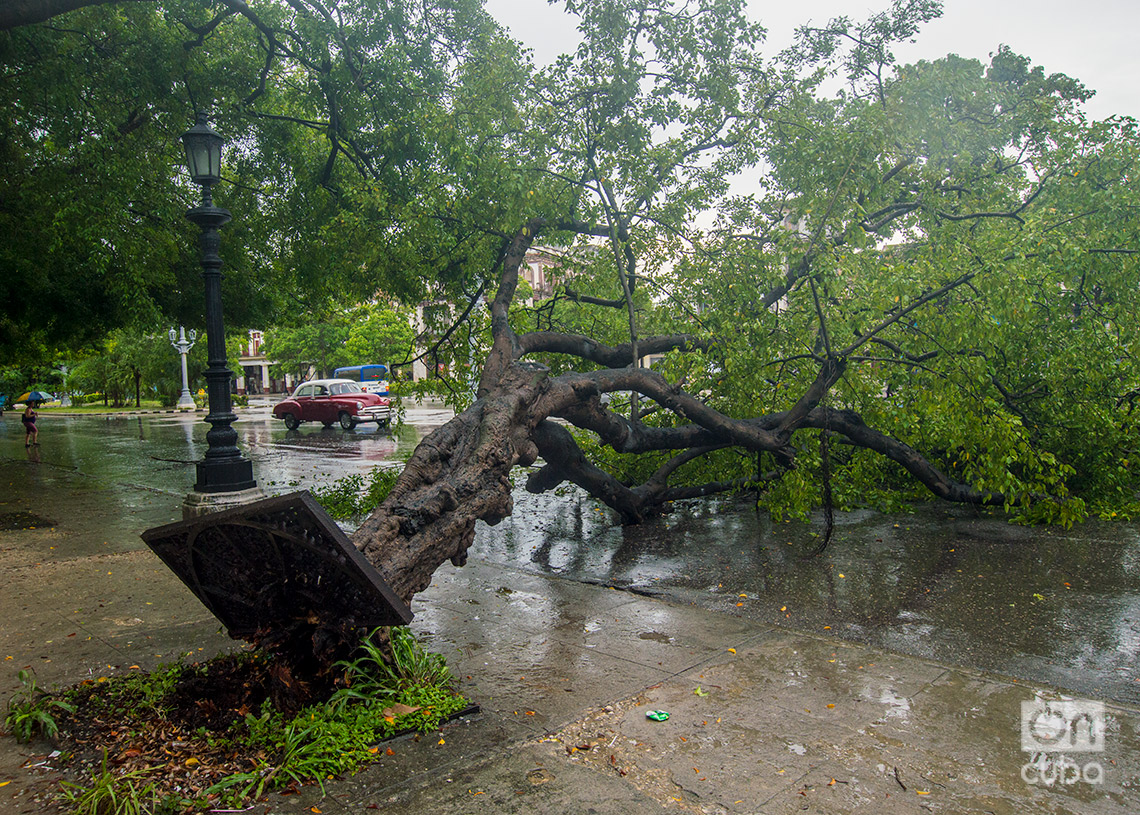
(31, 434)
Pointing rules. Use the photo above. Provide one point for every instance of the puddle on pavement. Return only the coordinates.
(947, 583)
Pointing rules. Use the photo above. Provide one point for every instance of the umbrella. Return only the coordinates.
(35, 396)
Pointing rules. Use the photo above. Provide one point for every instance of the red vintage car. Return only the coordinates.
(333, 400)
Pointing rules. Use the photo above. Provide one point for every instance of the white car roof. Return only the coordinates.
(327, 382)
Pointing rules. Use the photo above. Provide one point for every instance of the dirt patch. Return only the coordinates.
(12, 521)
(181, 741)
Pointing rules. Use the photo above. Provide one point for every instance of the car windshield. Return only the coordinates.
(342, 388)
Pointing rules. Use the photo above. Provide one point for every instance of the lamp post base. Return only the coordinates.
(197, 504)
(224, 473)
(186, 401)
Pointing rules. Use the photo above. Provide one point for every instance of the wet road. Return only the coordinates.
(156, 451)
(949, 584)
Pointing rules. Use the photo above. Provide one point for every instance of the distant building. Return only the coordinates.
(254, 377)
(543, 269)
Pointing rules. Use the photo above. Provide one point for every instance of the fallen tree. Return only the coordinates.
(929, 279)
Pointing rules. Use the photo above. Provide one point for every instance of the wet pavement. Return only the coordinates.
(842, 684)
(947, 583)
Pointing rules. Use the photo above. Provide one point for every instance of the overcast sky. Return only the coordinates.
(1095, 41)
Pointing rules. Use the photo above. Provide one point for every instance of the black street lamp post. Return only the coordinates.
(223, 469)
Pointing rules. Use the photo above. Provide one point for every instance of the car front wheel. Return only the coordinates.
(347, 422)
(291, 421)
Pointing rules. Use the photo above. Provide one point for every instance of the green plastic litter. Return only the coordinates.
(656, 715)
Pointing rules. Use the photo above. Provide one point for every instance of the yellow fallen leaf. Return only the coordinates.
(783, 608)
(441, 741)
(922, 792)
(829, 707)
(315, 809)
(4, 783)
(732, 650)
(190, 762)
(842, 575)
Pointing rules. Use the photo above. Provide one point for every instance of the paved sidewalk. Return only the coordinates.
(762, 720)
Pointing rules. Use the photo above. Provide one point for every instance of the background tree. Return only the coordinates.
(379, 334)
(318, 347)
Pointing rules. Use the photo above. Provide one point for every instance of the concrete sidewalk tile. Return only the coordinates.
(961, 710)
(305, 801)
(830, 789)
(107, 592)
(788, 741)
(470, 739)
(825, 679)
(514, 598)
(513, 671)
(655, 633)
(151, 646)
(961, 784)
(529, 779)
(51, 646)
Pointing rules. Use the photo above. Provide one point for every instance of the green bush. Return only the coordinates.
(351, 496)
(31, 711)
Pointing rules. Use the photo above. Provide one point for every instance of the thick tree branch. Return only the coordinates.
(610, 356)
(851, 424)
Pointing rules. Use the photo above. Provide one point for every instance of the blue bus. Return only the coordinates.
(372, 378)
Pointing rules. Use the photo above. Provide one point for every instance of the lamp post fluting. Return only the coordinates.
(223, 469)
(179, 341)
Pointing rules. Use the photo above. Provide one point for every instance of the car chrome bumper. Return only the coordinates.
(379, 414)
